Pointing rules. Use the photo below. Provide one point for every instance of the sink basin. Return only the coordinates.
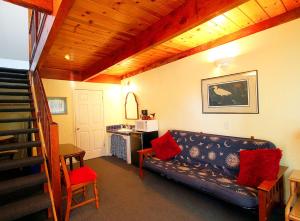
(124, 130)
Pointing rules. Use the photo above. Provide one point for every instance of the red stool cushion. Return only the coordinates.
(82, 175)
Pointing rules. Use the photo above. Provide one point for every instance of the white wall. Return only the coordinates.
(173, 91)
(14, 36)
(59, 88)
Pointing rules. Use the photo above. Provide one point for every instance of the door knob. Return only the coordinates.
(77, 128)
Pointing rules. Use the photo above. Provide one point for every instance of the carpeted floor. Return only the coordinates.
(124, 196)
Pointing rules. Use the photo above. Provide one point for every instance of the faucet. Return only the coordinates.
(125, 125)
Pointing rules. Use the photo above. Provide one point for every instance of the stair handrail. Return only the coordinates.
(37, 21)
(48, 137)
(43, 112)
(49, 186)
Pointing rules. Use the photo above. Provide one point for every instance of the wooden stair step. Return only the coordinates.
(14, 80)
(10, 86)
(13, 70)
(7, 139)
(13, 75)
(15, 101)
(15, 146)
(18, 131)
(16, 109)
(24, 207)
(13, 120)
(14, 93)
(12, 164)
(12, 185)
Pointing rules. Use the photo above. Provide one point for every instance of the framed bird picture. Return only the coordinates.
(231, 94)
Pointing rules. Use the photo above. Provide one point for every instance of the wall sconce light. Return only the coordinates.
(223, 54)
(129, 87)
(224, 62)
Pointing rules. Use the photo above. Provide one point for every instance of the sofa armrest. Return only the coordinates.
(270, 192)
(146, 151)
(267, 185)
(142, 153)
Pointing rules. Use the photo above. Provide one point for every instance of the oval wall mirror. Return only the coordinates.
(131, 107)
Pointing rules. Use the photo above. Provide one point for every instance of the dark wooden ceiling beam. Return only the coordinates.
(69, 75)
(59, 74)
(105, 78)
(40, 5)
(280, 19)
(189, 15)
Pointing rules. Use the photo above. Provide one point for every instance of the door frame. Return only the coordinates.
(74, 115)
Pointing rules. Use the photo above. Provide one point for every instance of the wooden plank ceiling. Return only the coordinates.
(95, 30)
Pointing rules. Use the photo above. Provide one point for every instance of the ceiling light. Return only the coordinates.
(219, 19)
(68, 57)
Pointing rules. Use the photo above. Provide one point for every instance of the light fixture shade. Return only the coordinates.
(224, 62)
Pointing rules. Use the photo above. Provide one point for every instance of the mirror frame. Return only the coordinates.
(137, 107)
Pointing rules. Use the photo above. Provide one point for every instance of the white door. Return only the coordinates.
(89, 122)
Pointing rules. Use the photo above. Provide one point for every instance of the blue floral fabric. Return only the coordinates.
(217, 150)
(206, 178)
(118, 146)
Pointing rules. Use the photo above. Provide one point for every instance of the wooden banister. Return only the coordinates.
(49, 186)
(55, 166)
(36, 25)
(49, 137)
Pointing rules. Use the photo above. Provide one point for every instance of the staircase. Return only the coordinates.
(23, 172)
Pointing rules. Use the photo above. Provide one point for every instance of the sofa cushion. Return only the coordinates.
(206, 178)
(217, 150)
(258, 165)
(165, 147)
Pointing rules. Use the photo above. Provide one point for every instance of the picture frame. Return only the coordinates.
(57, 105)
(231, 94)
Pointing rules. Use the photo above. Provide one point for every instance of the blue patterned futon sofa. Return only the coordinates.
(210, 163)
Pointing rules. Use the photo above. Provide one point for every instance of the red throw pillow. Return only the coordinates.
(165, 147)
(258, 165)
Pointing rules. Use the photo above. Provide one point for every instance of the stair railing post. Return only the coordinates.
(55, 168)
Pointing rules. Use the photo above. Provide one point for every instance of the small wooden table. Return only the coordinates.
(69, 151)
(292, 210)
